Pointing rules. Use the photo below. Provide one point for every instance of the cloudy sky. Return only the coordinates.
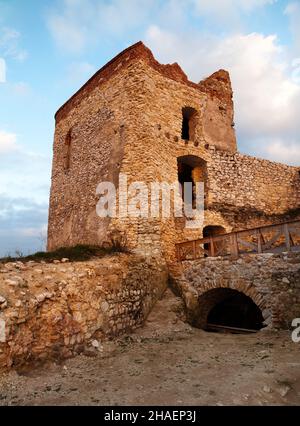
(49, 48)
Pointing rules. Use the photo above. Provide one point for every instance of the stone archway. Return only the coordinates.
(205, 283)
(192, 169)
(229, 308)
(212, 230)
(262, 277)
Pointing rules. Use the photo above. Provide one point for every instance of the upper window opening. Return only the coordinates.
(188, 123)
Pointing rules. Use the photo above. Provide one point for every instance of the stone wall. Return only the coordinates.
(128, 119)
(110, 133)
(57, 310)
(249, 191)
(271, 281)
(218, 119)
(242, 191)
(97, 142)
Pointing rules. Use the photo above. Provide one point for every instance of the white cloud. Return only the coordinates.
(293, 12)
(38, 231)
(19, 168)
(266, 81)
(2, 70)
(228, 11)
(25, 173)
(267, 97)
(80, 72)
(76, 24)
(66, 33)
(21, 88)
(10, 44)
(8, 142)
(283, 152)
(296, 70)
(23, 224)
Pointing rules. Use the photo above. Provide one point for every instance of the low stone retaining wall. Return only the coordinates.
(271, 281)
(50, 311)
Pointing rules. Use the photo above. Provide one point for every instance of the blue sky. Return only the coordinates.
(49, 48)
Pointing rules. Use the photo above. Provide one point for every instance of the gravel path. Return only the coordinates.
(168, 363)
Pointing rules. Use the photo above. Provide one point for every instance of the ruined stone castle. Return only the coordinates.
(147, 120)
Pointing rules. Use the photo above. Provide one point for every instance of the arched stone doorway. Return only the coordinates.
(226, 307)
(192, 169)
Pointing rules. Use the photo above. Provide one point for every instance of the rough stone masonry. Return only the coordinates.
(56, 310)
(138, 117)
(148, 121)
(271, 281)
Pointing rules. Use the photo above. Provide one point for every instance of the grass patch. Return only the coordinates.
(77, 253)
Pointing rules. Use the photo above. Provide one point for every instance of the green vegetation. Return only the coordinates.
(77, 253)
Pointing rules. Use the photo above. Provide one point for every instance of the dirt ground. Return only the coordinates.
(167, 362)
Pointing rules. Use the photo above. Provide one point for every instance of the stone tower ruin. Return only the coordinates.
(147, 121)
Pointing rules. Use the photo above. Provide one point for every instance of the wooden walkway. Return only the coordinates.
(265, 239)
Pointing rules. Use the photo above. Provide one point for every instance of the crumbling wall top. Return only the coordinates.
(136, 52)
(217, 85)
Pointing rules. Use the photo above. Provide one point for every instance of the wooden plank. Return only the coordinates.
(212, 247)
(262, 236)
(287, 236)
(247, 244)
(242, 233)
(194, 249)
(189, 248)
(291, 239)
(259, 242)
(234, 246)
(294, 227)
(269, 243)
(278, 249)
(225, 327)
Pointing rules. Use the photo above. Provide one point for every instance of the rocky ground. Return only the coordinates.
(167, 363)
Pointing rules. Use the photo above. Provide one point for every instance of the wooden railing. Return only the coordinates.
(265, 239)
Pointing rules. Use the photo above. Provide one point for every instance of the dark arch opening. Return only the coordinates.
(189, 116)
(192, 169)
(212, 230)
(228, 308)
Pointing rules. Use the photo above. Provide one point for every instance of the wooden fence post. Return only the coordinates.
(234, 246)
(259, 241)
(212, 247)
(194, 249)
(287, 236)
